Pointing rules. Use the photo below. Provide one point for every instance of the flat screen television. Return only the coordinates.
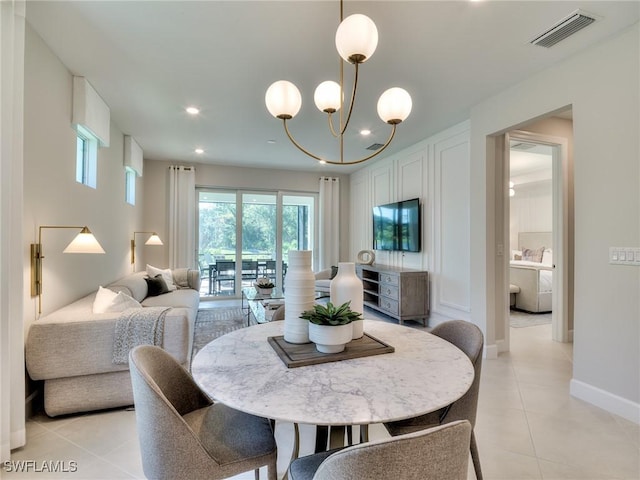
(397, 226)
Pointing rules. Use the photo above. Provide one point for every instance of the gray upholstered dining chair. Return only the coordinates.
(468, 338)
(438, 453)
(183, 434)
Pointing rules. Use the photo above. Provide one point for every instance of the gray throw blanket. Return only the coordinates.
(138, 326)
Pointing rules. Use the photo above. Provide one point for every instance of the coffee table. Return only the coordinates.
(256, 303)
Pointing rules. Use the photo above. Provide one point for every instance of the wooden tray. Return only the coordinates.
(300, 355)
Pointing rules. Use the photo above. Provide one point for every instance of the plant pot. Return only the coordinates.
(329, 338)
(264, 291)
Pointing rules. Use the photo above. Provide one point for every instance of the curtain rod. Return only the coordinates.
(181, 166)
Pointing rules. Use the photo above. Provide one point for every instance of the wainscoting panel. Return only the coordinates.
(412, 183)
(360, 215)
(451, 288)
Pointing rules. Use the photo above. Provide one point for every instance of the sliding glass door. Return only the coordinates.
(244, 235)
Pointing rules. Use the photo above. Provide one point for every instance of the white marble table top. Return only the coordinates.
(425, 373)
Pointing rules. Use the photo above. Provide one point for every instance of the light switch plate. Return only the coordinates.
(624, 256)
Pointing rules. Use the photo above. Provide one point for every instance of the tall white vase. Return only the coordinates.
(345, 287)
(299, 296)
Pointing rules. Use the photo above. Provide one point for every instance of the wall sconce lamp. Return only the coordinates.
(84, 242)
(154, 239)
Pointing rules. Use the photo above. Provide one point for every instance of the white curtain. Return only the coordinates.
(329, 222)
(182, 213)
(12, 247)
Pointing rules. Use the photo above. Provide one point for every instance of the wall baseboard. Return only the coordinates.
(605, 400)
(491, 351)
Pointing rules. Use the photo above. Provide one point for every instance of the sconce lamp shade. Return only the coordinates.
(283, 99)
(394, 105)
(154, 240)
(356, 38)
(84, 242)
(327, 97)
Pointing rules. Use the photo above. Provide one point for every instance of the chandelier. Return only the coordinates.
(356, 41)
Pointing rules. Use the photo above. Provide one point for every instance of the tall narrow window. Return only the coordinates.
(130, 185)
(86, 158)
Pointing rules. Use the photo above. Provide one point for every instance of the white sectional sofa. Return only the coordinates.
(72, 348)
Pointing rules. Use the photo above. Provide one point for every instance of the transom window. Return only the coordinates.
(86, 158)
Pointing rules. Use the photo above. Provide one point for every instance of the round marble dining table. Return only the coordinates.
(424, 373)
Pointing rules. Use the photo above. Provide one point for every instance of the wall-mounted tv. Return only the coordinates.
(397, 226)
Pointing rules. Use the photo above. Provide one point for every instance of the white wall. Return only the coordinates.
(53, 197)
(435, 170)
(601, 84)
(219, 176)
(531, 210)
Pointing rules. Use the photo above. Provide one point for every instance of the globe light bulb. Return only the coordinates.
(394, 105)
(283, 99)
(327, 97)
(356, 38)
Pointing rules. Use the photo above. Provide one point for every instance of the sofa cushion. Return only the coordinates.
(156, 286)
(187, 298)
(133, 285)
(103, 300)
(121, 302)
(166, 273)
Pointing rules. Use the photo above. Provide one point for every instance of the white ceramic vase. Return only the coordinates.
(345, 287)
(330, 338)
(299, 296)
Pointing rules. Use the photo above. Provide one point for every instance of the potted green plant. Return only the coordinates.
(330, 326)
(264, 286)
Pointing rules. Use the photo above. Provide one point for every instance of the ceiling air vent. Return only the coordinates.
(564, 28)
(375, 146)
(522, 146)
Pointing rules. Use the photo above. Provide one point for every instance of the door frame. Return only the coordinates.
(562, 250)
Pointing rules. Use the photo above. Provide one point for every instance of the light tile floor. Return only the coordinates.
(528, 427)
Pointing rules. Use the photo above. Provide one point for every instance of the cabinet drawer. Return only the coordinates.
(390, 291)
(390, 279)
(389, 305)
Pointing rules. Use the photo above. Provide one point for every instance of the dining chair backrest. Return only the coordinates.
(468, 338)
(225, 267)
(183, 434)
(439, 453)
(163, 392)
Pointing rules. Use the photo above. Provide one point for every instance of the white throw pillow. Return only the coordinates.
(121, 302)
(103, 299)
(167, 276)
(547, 257)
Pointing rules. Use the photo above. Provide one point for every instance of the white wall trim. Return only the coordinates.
(605, 400)
(491, 351)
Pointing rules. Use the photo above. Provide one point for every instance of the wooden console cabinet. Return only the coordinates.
(400, 293)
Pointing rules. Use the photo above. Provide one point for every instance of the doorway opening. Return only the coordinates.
(546, 202)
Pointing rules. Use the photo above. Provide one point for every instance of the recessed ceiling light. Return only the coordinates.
(199, 151)
(271, 142)
(193, 110)
(364, 132)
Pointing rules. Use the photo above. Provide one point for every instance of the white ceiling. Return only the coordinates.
(151, 59)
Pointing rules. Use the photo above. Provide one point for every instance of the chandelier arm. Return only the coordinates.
(341, 162)
(353, 99)
(333, 131)
(298, 146)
